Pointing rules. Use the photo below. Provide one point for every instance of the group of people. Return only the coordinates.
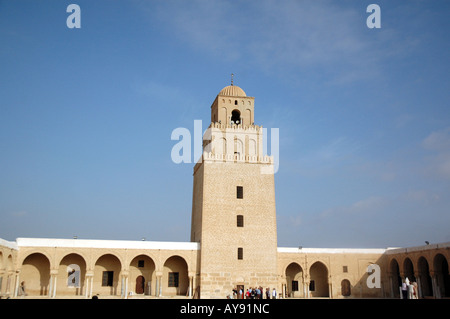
(409, 289)
(254, 293)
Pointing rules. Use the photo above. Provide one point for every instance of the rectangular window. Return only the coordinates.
(240, 221)
(107, 278)
(294, 285)
(344, 269)
(239, 192)
(312, 285)
(140, 264)
(240, 253)
(173, 279)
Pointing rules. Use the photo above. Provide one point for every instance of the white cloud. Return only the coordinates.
(438, 140)
(438, 143)
(322, 38)
(20, 213)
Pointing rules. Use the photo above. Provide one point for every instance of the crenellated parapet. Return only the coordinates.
(209, 156)
(237, 127)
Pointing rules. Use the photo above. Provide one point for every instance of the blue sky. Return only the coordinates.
(86, 115)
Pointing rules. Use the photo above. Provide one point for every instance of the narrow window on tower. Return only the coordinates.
(240, 253)
(239, 192)
(240, 220)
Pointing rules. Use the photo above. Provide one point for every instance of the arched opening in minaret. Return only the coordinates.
(235, 117)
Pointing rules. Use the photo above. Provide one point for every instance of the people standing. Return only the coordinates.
(274, 294)
(404, 290)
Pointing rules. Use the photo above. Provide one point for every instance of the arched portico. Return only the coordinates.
(35, 275)
(318, 284)
(394, 278)
(71, 275)
(424, 278)
(408, 270)
(295, 280)
(175, 280)
(142, 275)
(107, 271)
(442, 277)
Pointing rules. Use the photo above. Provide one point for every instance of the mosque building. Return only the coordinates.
(233, 241)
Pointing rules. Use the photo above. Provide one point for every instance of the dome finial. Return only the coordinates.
(232, 75)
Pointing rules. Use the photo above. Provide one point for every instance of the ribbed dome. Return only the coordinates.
(232, 90)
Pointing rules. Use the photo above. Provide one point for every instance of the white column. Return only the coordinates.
(126, 287)
(436, 290)
(391, 285)
(16, 286)
(54, 286)
(419, 286)
(91, 285)
(50, 287)
(86, 287)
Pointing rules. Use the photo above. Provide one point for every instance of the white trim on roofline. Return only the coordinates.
(8, 244)
(109, 244)
(331, 250)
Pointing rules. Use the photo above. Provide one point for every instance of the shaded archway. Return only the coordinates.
(175, 280)
(440, 265)
(346, 288)
(142, 274)
(395, 278)
(318, 285)
(106, 275)
(408, 270)
(236, 117)
(71, 275)
(35, 274)
(294, 280)
(426, 287)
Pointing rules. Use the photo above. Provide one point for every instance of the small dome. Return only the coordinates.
(232, 90)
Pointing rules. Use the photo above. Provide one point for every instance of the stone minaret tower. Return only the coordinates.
(233, 206)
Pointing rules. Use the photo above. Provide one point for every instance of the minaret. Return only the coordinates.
(233, 206)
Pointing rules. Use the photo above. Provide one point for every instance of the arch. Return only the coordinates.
(175, 280)
(426, 287)
(248, 116)
(35, 274)
(223, 114)
(396, 280)
(408, 269)
(9, 263)
(106, 275)
(236, 117)
(251, 147)
(71, 275)
(221, 147)
(318, 285)
(440, 266)
(295, 280)
(143, 266)
(346, 288)
(238, 148)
